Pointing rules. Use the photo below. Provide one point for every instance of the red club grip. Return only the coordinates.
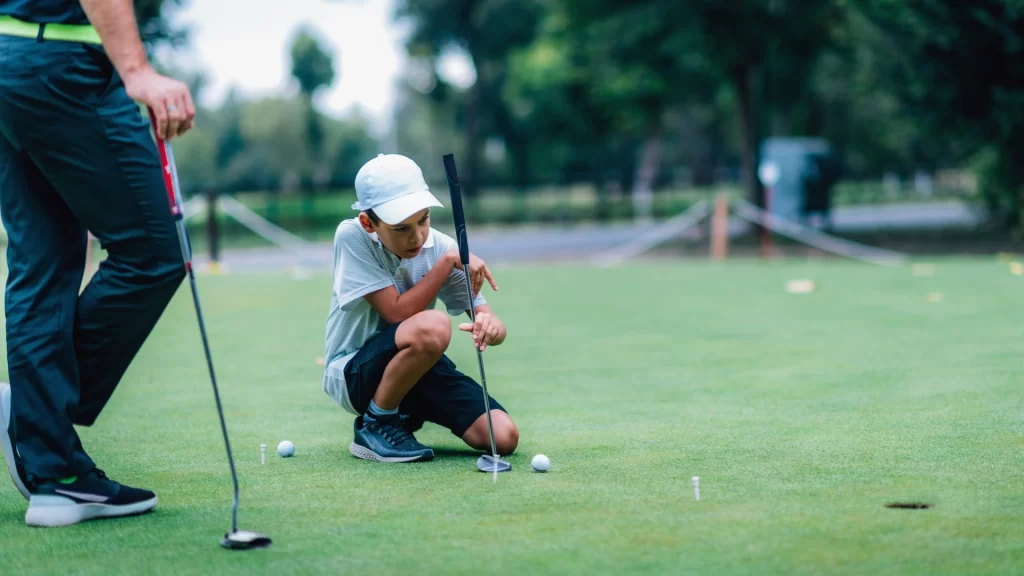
(161, 148)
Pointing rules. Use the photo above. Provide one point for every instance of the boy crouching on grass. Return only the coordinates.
(385, 343)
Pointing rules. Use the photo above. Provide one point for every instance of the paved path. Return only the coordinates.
(579, 242)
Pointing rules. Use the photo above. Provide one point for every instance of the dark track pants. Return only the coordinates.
(75, 155)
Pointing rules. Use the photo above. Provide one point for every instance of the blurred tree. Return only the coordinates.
(154, 25)
(312, 64)
(425, 123)
(660, 49)
(488, 31)
(349, 144)
(313, 69)
(551, 93)
(643, 60)
(230, 141)
(959, 68)
(196, 159)
(274, 132)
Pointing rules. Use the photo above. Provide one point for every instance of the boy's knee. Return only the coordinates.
(433, 332)
(506, 439)
(506, 435)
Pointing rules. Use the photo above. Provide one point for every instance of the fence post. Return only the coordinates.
(212, 232)
(720, 227)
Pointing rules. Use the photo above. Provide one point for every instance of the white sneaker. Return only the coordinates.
(5, 438)
(73, 500)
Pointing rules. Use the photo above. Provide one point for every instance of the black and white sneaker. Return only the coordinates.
(10, 453)
(384, 439)
(73, 500)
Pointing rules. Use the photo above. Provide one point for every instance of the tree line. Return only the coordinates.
(627, 95)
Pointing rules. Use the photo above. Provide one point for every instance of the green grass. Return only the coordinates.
(803, 416)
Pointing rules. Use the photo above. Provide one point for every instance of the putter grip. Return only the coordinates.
(152, 121)
(458, 215)
(165, 165)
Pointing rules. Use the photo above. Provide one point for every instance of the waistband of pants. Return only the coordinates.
(64, 32)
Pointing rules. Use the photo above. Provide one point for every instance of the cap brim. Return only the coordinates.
(397, 210)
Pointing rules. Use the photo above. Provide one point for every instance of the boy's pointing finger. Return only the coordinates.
(487, 274)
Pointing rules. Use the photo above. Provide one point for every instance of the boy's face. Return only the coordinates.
(404, 239)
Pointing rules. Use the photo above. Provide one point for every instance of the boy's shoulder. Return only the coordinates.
(438, 237)
(439, 243)
(350, 237)
(350, 231)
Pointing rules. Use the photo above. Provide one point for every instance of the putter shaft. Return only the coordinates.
(460, 233)
(186, 254)
(483, 376)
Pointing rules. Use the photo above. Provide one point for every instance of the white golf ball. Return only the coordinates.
(540, 463)
(286, 449)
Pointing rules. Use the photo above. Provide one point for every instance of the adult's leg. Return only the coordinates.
(45, 258)
(91, 142)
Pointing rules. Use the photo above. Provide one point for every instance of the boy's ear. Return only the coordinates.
(365, 221)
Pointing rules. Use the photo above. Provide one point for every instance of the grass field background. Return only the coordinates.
(802, 414)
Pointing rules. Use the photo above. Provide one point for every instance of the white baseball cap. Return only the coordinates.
(393, 187)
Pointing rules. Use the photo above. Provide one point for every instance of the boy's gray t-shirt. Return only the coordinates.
(362, 266)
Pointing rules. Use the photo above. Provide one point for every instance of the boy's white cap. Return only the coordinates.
(393, 187)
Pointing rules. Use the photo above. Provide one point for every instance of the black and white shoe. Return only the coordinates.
(73, 500)
(384, 439)
(10, 453)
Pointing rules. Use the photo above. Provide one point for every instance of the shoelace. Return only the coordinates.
(395, 434)
(103, 476)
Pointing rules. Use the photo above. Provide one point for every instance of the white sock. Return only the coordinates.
(378, 411)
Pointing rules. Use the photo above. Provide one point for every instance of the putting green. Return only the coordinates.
(803, 415)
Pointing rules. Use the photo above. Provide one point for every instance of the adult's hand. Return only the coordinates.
(169, 99)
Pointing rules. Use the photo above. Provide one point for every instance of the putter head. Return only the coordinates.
(245, 540)
(487, 463)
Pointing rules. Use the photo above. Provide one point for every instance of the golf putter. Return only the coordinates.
(236, 539)
(488, 462)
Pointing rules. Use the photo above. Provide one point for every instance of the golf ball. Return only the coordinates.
(286, 449)
(540, 463)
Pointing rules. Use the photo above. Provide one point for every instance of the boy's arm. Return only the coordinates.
(488, 330)
(394, 307)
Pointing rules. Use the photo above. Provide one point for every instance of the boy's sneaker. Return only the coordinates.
(412, 424)
(13, 466)
(72, 500)
(384, 439)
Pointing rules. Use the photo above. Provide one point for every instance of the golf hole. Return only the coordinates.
(908, 505)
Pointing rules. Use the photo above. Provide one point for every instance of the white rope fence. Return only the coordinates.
(255, 223)
(263, 227)
(667, 230)
(678, 225)
(817, 239)
(193, 206)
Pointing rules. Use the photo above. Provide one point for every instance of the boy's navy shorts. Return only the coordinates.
(443, 396)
